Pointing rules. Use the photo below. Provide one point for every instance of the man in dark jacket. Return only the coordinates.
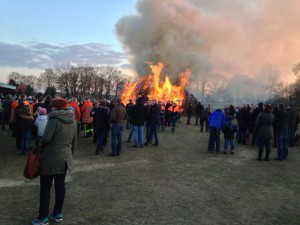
(281, 124)
(199, 109)
(138, 119)
(189, 113)
(253, 117)
(101, 125)
(204, 119)
(293, 125)
(129, 112)
(153, 122)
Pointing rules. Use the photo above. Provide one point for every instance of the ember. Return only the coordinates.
(153, 88)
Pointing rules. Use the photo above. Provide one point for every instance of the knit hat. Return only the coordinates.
(43, 111)
(59, 103)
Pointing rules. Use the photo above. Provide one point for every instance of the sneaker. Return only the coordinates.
(38, 221)
(57, 218)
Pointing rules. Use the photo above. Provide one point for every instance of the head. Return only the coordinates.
(26, 110)
(59, 104)
(43, 111)
(118, 101)
(280, 106)
(267, 108)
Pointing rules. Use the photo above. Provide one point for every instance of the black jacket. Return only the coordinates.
(101, 119)
(138, 114)
(281, 121)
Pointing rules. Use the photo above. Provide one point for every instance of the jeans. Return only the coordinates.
(116, 138)
(282, 145)
(227, 140)
(153, 132)
(214, 136)
(25, 141)
(45, 190)
(264, 142)
(101, 136)
(138, 135)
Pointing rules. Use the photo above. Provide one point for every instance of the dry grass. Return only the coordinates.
(175, 183)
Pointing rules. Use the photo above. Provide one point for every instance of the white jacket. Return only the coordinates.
(40, 123)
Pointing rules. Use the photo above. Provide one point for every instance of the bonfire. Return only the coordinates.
(153, 88)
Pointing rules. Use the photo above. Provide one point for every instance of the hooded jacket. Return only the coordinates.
(58, 142)
(40, 123)
(217, 119)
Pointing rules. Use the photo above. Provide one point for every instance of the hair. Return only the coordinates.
(26, 110)
(118, 100)
(59, 103)
(268, 108)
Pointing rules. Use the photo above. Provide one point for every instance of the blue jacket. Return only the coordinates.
(217, 119)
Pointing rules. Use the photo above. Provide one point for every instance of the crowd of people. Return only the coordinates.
(55, 124)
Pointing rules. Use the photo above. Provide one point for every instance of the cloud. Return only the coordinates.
(216, 36)
(43, 55)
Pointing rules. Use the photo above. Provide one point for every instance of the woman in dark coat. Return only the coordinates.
(58, 143)
(264, 130)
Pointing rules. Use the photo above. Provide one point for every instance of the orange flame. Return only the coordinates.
(155, 89)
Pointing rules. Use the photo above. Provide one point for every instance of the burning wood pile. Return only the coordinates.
(154, 89)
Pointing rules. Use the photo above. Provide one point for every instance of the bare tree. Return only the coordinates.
(31, 81)
(64, 72)
(270, 75)
(48, 78)
(17, 77)
(296, 71)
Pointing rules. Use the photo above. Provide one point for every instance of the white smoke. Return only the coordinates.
(215, 36)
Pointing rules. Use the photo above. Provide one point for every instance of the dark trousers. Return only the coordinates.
(45, 190)
(214, 136)
(264, 142)
(202, 121)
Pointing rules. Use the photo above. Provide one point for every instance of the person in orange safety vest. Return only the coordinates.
(87, 119)
(77, 114)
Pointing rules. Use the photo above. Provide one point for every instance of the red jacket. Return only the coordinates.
(77, 112)
(86, 112)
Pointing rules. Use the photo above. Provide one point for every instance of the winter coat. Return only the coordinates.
(293, 118)
(281, 121)
(154, 114)
(101, 119)
(41, 122)
(217, 119)
(24, 122)
(77, 113)
(263, 125)
(229, 128)
(205, 114)
(86, 112)
(58, 142)
(138, 114)
(118, 114)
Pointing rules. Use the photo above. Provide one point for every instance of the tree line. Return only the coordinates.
(72, 80)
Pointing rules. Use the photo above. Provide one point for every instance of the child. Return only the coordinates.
(40, 123)
(229, 130)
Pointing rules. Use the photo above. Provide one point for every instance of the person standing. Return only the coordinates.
(117, 118)
(199, 109)
(229, 130)
(101, 125)
(264, 131)
(129, 110)
(204, 119)
(293, 125)
(40, 123)
(281, 125)
(87, 119)
(77, 114)
(216, 122)
(6, 106)
(138, 119)
(58, 144)
(153, 123)
(189, 113)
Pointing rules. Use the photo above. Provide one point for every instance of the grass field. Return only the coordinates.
(174, 183)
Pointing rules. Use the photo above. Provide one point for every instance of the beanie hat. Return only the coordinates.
(43, 111)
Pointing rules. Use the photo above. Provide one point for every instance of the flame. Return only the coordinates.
(156, 89)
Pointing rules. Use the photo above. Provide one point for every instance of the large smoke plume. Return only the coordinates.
(213, 37)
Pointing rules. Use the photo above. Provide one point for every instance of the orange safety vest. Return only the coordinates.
(76, 108)
(86, 112)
